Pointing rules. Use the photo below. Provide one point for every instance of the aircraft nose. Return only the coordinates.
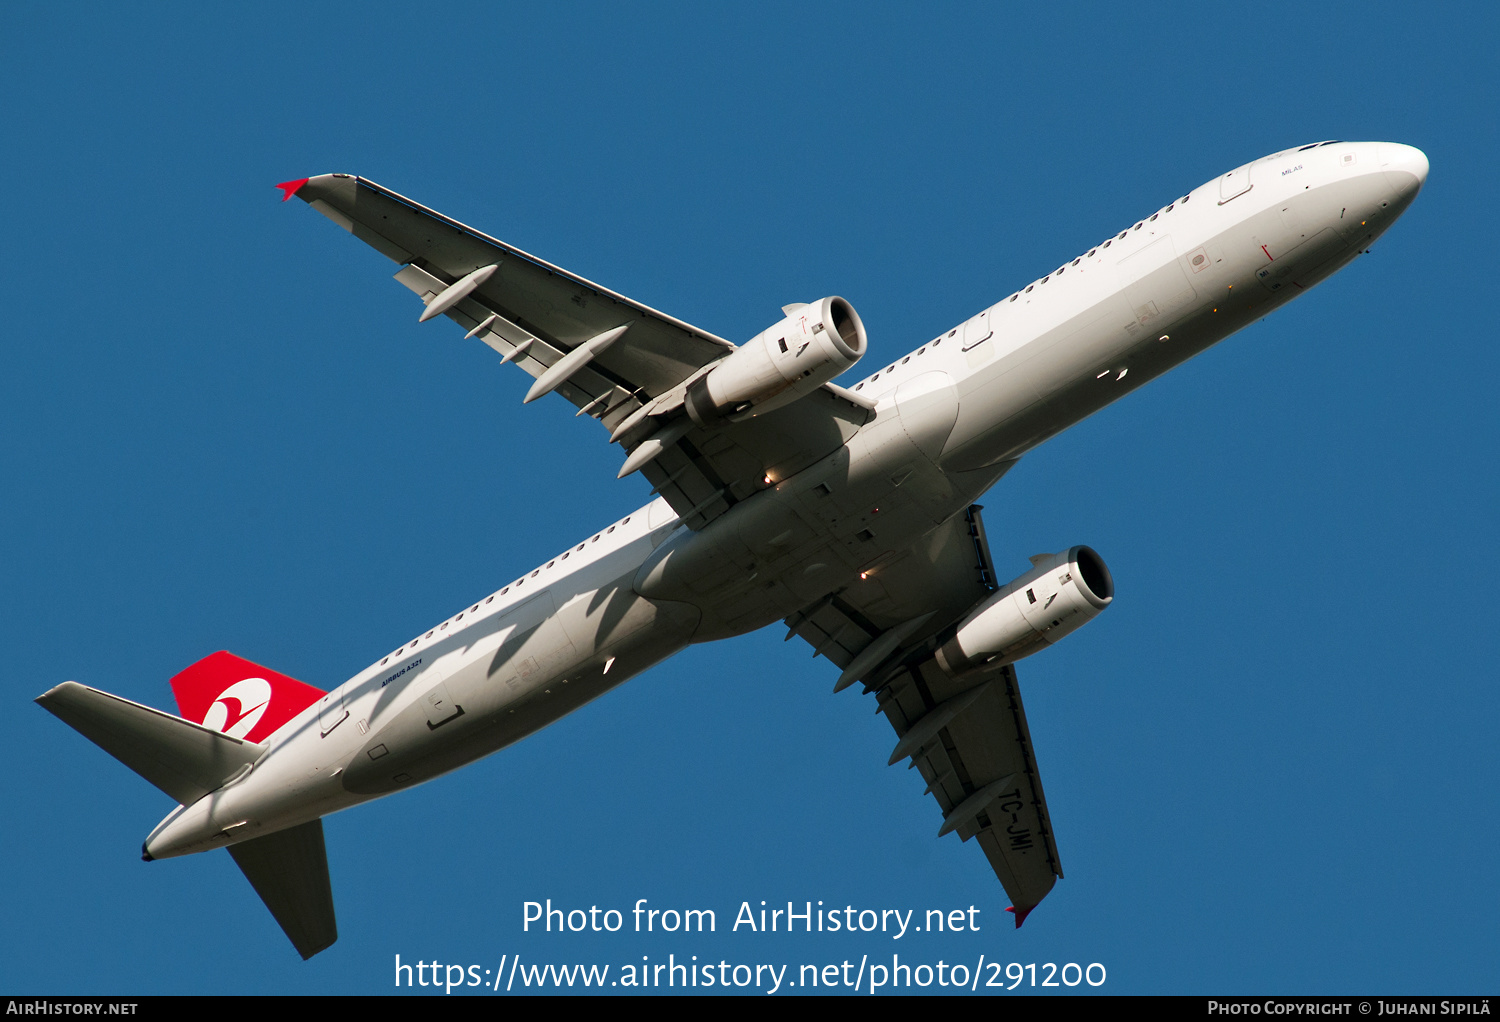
(1405, 168)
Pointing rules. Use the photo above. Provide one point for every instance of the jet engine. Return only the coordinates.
(809, 347)
(1060, 594)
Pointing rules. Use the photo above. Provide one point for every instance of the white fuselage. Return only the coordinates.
(952, 417)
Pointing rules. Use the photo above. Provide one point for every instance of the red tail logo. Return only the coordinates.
(241, 699)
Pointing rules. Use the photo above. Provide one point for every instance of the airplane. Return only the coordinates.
(848, 513)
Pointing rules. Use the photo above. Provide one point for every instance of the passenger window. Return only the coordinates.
(1155, 215)
(1091, 253)
(1029, 287)
(1077, 261)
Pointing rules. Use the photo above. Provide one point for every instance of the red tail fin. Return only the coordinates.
(241, 699)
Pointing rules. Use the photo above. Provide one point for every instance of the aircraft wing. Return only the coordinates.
(969, 737)
(566, 332)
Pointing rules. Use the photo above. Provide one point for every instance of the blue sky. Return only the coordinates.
(1271, 766)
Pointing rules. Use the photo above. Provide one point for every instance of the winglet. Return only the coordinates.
(289, 188)
(1021, 915)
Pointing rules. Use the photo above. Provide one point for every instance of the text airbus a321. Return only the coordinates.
(848, 513)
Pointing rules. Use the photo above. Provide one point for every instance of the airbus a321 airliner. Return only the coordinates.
(847, 513)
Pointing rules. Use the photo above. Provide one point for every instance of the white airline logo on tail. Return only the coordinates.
(239, 707)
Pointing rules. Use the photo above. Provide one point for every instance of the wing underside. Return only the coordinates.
(547, 321)
(967, 737)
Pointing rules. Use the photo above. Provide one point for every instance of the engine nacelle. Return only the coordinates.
(811, 346)
(1059, 595)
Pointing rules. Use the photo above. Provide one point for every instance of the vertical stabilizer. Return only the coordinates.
(240, 698)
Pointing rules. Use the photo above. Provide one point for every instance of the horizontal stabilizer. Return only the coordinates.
(289, 870)
(183, 759)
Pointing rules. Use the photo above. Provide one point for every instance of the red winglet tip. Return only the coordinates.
(1021, 915)
(289, 188)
